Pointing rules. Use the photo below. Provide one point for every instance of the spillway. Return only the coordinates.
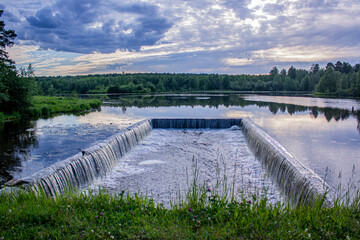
(298, 183)
(92, 163)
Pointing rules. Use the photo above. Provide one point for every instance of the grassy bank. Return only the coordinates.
(45, 106)
(202, 215)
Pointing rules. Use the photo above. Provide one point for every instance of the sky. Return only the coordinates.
(76, 37)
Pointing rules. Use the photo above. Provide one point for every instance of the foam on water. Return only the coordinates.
(162, 165)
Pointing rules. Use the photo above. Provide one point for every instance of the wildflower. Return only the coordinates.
(92, 231)
(194, 216)
(249, 202)
(118, 207)
(208, 190)
(112, 237)
(96, 216)
(131, 212)
(190, 209)
(101, 214)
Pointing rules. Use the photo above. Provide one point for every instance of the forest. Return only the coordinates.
(339, 79)
(19, 86)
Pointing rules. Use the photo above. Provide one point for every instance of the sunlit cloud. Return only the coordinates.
(238, 61)
(307, 53)
(244, 36)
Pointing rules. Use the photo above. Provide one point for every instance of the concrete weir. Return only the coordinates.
(299, 184)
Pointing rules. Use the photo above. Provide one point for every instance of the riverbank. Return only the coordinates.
(45, 106)
(203, 215)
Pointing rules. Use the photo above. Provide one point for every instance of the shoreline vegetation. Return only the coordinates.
(202, 215)
(47, 106)
(336, 80)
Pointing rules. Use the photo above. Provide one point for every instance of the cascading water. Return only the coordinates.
(195, 123)
(93, 162)
(300, 184)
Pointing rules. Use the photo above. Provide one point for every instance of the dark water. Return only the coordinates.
(324, 134)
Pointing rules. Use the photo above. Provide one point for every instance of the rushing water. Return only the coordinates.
(322, 133)
(163, 166)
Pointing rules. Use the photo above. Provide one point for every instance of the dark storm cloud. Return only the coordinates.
(94, 26)
(44, 18)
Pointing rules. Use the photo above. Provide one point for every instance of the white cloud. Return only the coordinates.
(306, 53)
(238, 61)
(210, 36)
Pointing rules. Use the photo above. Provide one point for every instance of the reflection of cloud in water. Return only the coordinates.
(317, 143)
(238, 114)
(307, 101)
(300, 123)
(107, 119)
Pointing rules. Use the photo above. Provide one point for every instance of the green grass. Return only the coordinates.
(201, 215)
(45, 106)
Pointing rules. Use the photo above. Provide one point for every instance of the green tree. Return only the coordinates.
(274, 71)
(314, 68)
(16, 89)
(328, 81)
(357, 84)
(292, 72)
(339, 66)
(7, 38)
(305, 83)
(283, 72)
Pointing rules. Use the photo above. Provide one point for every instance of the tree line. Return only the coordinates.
(17, 87)
(340, 78)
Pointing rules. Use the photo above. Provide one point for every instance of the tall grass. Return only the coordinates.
(46, 106)
(202, 214)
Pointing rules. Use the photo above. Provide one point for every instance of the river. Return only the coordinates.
(324, 134)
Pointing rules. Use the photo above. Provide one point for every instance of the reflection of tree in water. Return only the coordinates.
(15, 140)
(314, 112)
(357, 114)
(227, 101)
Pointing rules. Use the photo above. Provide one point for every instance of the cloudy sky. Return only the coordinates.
(68, 37)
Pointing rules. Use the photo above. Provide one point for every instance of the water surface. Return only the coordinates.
(321, 133)
(166, 162)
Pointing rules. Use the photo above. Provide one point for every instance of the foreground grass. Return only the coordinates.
(45, 106)
(201, 216)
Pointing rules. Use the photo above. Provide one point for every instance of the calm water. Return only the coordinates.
(324, 134)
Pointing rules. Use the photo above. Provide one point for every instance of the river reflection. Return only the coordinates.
(17, 139)
(323, 134)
